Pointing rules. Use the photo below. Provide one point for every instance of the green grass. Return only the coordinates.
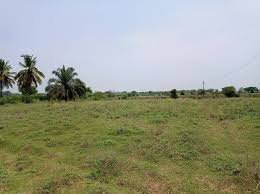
(131, 146)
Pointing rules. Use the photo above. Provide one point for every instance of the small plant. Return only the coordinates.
(47, 187)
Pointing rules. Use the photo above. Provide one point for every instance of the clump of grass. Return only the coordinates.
(122, 131)
(109, 142)
(3, 176)
(55, 184)
(250, 172)
(52, 143)
(155, 149)
(189, 145)
(84, 144)
(99, 190)
(226, 165)
(243, 171)
(159, 118)
(2, 140)
(126, 132)
(105, 168)
(23, 162)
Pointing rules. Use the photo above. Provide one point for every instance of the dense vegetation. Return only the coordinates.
(131, 146)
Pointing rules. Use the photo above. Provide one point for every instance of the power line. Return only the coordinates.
(235, 70)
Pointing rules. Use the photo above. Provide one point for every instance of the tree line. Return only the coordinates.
(64, 85)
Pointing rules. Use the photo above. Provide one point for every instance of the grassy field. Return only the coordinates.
(131, 146)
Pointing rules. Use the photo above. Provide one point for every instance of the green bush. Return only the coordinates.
(173, 94)
(229, 91)
(27, 99)
(40, 97)
(8, 100)
(22, 98)
(98, 96)
(2, 101)
(124, 97)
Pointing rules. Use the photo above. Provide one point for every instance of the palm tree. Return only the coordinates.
(65, 86)
(29, 78)
(6, 76)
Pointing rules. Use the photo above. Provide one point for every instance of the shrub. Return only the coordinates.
(124, 97)
(8, 100)
(201, 92)
(251, 89)
(110, 94)
(229, 91)
(40, 97)
(27, 99)
(2, 101)
(173, 94)
(98, 96)
(134, 93)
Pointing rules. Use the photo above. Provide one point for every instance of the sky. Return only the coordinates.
(125, 45)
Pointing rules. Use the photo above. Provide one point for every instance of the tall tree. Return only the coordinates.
(65, 86)
(30, 76)
(6, 76)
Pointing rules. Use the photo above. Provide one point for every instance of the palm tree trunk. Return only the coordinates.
(66, 95)
(1, 89)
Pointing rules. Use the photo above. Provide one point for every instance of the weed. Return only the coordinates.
(105, 168)
(54, 184)
(189, 146)
(3, 176)
(225, 164)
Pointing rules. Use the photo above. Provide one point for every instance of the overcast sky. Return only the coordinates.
(137, 44)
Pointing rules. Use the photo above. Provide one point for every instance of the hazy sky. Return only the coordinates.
(137, 44)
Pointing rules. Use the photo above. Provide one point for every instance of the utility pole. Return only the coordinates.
(203, 86)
